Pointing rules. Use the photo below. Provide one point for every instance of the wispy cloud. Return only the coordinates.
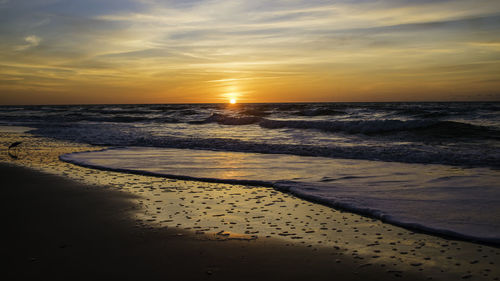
(29, 42)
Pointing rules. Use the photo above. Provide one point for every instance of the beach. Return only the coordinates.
(60, 229)
(73, 222)
(250, 140)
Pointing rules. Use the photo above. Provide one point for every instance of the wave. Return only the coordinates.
(395, 153)
(375, 131)
(125, 135)
(352, 127)
(229, 120)
(429, 128)
(86, 117)
(260, 112)
(319, 112)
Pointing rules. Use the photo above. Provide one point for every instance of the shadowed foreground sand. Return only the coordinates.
(59, 229)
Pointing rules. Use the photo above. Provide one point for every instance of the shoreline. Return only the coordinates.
(445, 234)
(269, 225)
(65, 238)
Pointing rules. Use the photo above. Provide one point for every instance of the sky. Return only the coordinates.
(197, 51)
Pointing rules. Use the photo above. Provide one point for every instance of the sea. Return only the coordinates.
(432, 167)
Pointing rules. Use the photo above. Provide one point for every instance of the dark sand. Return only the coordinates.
(59, 229)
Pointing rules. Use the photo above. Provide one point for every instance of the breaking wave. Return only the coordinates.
(431, 128)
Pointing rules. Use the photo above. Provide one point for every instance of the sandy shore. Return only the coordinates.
(59, 229)
(69, 222)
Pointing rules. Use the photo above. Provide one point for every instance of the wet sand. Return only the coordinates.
(95, 224)
(59, 229)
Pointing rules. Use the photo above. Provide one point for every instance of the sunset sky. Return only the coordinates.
(190, 51)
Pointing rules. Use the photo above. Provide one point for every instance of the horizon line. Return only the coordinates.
(227, 103)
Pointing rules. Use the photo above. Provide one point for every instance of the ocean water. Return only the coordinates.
(432, 166)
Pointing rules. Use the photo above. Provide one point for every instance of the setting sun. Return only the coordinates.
(232, 101)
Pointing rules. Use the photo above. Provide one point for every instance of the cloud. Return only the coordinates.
(31, 41)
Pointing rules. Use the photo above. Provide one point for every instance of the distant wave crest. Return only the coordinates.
(429, 128)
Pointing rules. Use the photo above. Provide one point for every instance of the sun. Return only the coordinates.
(232, 101)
